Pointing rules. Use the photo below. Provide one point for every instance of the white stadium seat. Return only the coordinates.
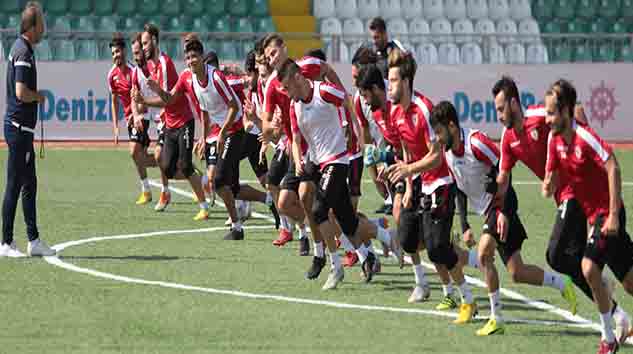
(433, 9)
(536, 53)
(477, 9)
(331, 26)
(520, 9)
(471, 54)
(463, 31)
(397, 28)
(448, 54)
(485, 26)
(426, 54)
(496, 54)
(346, 9)
(508, 28)
(412, 9)
(345, 56)
(390, 9)
(419, 26)
(515, 53)
(353, 27)
(324, 8)
(441, 30)
(529, 28)
(368, 9)
(455, 9)
(498, 9)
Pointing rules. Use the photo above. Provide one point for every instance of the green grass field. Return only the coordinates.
(91, 193)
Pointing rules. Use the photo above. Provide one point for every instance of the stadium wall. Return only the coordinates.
(78, 106)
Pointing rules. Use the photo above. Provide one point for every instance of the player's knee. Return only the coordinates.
(485, 258)
(591, 271)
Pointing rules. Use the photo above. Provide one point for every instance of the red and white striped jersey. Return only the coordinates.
(140, 77)
(366, 120)
(275, 97)
(120, 85)
(177, 113)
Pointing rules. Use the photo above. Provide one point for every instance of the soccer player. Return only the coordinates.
(179, 130)
(427, 179)
(579, 159)
(381, 45)
(120, 78)
(472, 157)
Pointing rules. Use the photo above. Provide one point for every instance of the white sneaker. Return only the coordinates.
(336, 276)
(622, 325)
(420, 294)
(38, 248)
(10, 251)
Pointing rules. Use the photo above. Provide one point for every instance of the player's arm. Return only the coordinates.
(164, 98)
(550, 181)
(23, 66)
(296, 142)
(431, 160)
(25, 94)
(614, 176)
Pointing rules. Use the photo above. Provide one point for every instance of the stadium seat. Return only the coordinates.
(215, 8)
(561, 53)
(324, 8)
(515, 53)
(13, 21)
(353, 27)
(238, 8)
(126, 8)
(529, 31)
(107, 24)
(477, 9)
(221, 24)
(148, 7)
(259, 8)
(86, 49)
(64, 50)
(507, 30)
(441, 30)
(244, 25)
(346, 9)
(368, 9)
(84, 24)
(536, 53)
(265, 25)
(426, 54)
(520, 9)
(471, 54)
(104, 51)
(552, 26)
(10, 6)
(543, 9)
(455, 9)
(496, 54)
(178, 24)
(2, 55)
(228, 50)
(43, 51)
(608, 8)
(331, 26)
(200, 25)
(577, 26)
(586, 9)
(344, 54)
(626, 9)
(193, 7)
(56, 7)
(170, 7)
(604, 52)
(619, 26)
(498, 9)
(390, 9)
(397, 28)
(463, 31)
(485, 27)
(448, 54)
(419, 30)
(599, 25)
(104, 7)
(62, 24)
(132, 24)
(80, 7)
(625, 53)
(3, 20)
(412, 9)
(158, 20)
(565, 9)
(582, 53)
(433, 9)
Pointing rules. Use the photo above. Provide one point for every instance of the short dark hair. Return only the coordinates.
(249, 63)
(211, 58)
(364, 56)
(317, 53)
(117, 41)
(287, 69)
(29, 16)
(259, 46)
(368, 77)
(566, 95)
(272, 38)
(378, 24)
(192, 43)
(509, 88)
(153, 30)
(443, 113)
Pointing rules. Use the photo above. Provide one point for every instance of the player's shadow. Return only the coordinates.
(557, 332)
(507, 304)
(158, 258)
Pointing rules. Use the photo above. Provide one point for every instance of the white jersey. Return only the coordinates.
(258, 112)
(470, 171)
(141, 81)
(321, 124)
(214, 98)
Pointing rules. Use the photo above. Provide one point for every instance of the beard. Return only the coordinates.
(449, 143)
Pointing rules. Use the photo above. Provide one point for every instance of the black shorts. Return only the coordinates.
(278, 168)
(569, 238)
(310, 174)
(355, 176)
(514, 240)
(410, 232)
(615, 251)
(250, 149)
(177, 152)
(211, 153)
(139, 137)
(333, 193)
(438, 210)
(227, 169)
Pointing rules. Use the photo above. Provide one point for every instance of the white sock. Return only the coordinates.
(467, 294)
(418, 271)
(388, 200)
(269, 199)
(318, 249)
(335, 260)
(495, 306)
(384, 236)
(303, 232)
(345, 242)
(145, 185)
(164, 189)
(447, 289)
(284, 223)
(362, 253)
(607, 327)
(204, 180)
(553, 280)
(473, 259)
(237, 226)
(204, 205)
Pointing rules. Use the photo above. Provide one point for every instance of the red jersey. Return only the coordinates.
(275, 97)
(177, 113)
(237, 84)
(414, 128)
(384, 123)
(581, 166)
(483, 148)
(120, 85)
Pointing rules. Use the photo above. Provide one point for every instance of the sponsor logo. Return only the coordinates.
(602, 103)
(88, 108)
(534, 134)
(483, 112)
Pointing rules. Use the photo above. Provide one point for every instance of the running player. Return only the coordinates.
(579, 159)
(120, 85)
(473, 158)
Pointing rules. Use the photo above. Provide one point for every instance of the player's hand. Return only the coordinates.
(398, 172)
(220, 144)
(153, 85)
(380, 173)
(138, 123)
(407, 198)
(276, 122)
(249, 107)
(262, 154)
(502, 227)
(136, 95)
(611, 226)
(116, 135)
(469, 238)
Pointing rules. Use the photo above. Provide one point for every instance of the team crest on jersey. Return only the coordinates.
(534, 135)
(578, 152)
